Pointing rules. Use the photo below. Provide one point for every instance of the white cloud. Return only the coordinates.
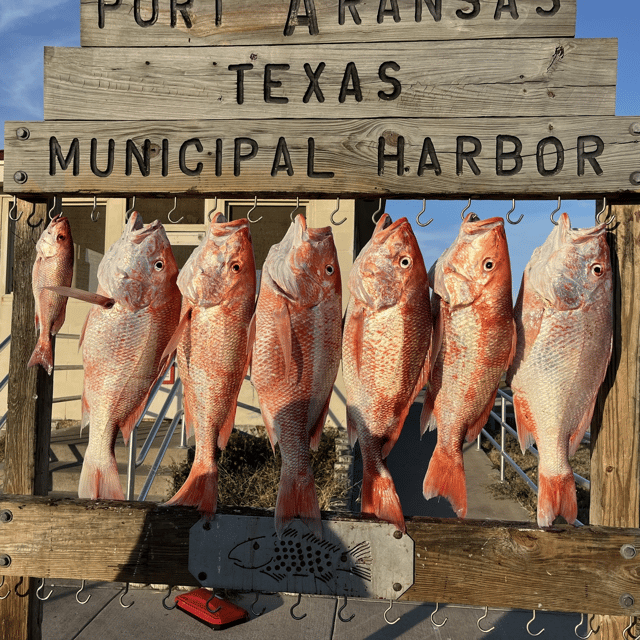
(14, 12)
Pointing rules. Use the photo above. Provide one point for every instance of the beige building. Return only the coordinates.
(92, 238)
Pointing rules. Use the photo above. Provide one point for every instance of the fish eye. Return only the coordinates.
(405, 262)
(61, 236)
(159, 265)
(597, 270)
(235, 267)
(329, 269)
(488, 265)
(256, 546)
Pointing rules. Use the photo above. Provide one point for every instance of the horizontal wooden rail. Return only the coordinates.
(517, 565)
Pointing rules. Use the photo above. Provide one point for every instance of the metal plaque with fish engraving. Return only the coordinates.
(355, 559)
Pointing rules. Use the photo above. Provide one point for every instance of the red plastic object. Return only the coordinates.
(194, 603)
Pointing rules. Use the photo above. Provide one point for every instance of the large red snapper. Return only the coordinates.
(125, 334)
(473, 344)
(386, 338)
(53, 267)
(296, 356)
(218, 284)
(565, 336)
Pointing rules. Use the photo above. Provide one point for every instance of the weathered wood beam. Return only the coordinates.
(29, 419)
(615, 430)
(469, 562)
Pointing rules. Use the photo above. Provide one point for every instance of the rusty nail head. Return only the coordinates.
(22, 133)
(628, 551)
(6, 515)
(5, 560)
(626, 600)
(397, 586)
(635, 178)
(397, 534)
(634, 129)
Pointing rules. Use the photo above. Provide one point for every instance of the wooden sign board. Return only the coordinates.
(153, 23)
(439, 79)
(580, 157)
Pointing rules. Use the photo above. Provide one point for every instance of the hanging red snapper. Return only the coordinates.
(218, 284)
(53, 267)
(565, 335)
(138, 308)
(473, 344)
(296, 357)
(387, 334)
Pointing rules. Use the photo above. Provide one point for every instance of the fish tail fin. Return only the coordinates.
(445, 477)
(379, 497)
(557, 497)
(297, 498)
(43, 353)
(199, 490)
(100, 481)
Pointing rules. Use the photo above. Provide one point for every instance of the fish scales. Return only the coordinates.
(218, 283)
(386, 339)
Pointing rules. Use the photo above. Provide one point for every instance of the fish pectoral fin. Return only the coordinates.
(282, 319)
(172, 345)
(85, 296)
(357, 332)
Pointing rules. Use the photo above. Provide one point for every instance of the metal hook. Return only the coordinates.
(433, 622)
(164, 600)
(375, 213)
(213, 595)
(127, 214)
(295, 617)
(78, 594)
(14, 207)
(297, 207)
(8, 592)
(122, 604)
(21, 595)
(486, 613)
(530, 621)
(465, 209)
(588, 627)
(95, 214)
(33, 213)
(39, 589)
(55, 198)
(513, 208)
(215, 206)
(424, 206)
(625, 634)
(387, 611)
(556, 211)
(255, 613)
(255, 204)
(342, 608)
(609, 220)
(333, 213)
(175, 205)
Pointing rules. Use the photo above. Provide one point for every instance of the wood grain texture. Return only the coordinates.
(250, 22)
(466, 562)
(351, 149)
(615, 429)
(491, 78)
(29, 420)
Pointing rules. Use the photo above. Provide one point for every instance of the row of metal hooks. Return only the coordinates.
(95, 214)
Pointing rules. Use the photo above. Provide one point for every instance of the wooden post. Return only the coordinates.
(615, 430)
(29, 420)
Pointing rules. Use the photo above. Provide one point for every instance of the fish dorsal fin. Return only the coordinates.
(85, 296)
(172, 345)
(282, 319)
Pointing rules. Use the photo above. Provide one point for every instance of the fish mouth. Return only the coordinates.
(477, 226)
(386, 227)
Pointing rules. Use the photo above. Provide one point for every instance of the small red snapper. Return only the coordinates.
(473, 344)
(386, 339)
(137, 311)
(565, 336)
(53, 267)
(218, 284)
(296, 356)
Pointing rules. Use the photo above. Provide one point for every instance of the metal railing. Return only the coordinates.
(505, 429)
(175, 392)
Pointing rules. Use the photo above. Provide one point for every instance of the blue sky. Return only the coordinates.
(27, 26)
